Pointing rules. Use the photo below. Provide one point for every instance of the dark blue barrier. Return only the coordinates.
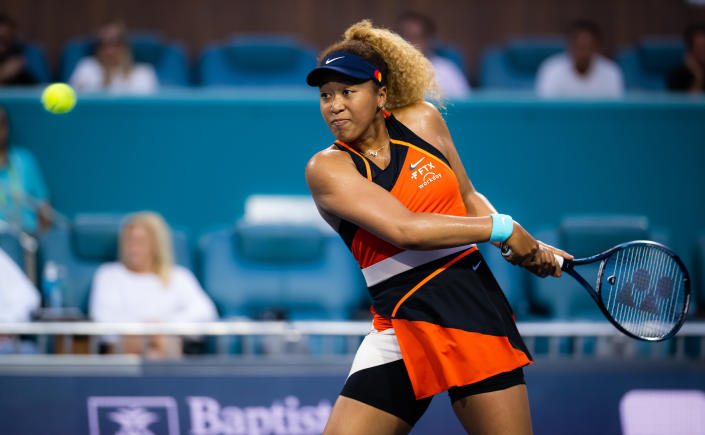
(196, 156)
(566, 397)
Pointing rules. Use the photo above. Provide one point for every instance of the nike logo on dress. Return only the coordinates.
(414, 165)
(335, 58)
(477, 265)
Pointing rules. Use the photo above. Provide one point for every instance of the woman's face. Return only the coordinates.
(111, 47)
(139, 249)
(349, 109)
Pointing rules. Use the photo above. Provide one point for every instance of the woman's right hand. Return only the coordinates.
(522, 245)
(537, 257)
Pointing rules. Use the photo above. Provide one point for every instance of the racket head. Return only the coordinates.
(644, 290)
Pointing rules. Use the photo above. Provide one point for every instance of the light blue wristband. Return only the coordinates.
(502, 227)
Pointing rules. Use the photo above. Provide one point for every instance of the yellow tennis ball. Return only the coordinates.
(59, 98)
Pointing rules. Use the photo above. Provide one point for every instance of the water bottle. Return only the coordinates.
(51, 285)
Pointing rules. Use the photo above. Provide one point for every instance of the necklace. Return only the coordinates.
(373, 153)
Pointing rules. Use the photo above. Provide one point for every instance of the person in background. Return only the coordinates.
(146, 286)
(18, 298)
(13, 65)
(420, 31)
(582, 71)
(112, 68)
(690, 75)
(24, 200)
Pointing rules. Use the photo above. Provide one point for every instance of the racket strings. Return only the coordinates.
(644, 290)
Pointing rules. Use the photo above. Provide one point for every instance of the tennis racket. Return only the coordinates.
(642, 288)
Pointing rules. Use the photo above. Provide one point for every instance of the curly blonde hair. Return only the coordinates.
(409, 75)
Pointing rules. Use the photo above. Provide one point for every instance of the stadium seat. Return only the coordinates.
(515, 64)
(256, 61)
(168, 59)
(646, 65)
(10, 244)
(37, 62)
(291, 270)
(89, 241)
(583, 236)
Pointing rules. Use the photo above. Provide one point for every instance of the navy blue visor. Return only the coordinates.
(347, 64)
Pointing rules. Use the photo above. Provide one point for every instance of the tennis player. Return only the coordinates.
(392, 185)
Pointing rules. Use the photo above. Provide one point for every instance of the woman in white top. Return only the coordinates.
(112, 67)
(18, 296)
(146, 285)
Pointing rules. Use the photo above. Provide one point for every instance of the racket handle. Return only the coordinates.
(506, 252)
(560, 260)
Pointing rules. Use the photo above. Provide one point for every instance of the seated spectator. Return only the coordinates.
(146, 286)
(690, 76)
(420, 31)
(582, 71)
(18, 298)
(24, 202)
(112, 67)
(13, 65)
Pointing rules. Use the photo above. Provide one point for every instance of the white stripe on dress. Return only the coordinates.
(403, 261)
(378, 347)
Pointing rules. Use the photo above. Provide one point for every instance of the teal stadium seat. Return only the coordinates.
(167, 58)
(514, 65)
(647, 64)
(256, 61)
(37, 62)
(89, 241)
(10, 244)
(583, 236)
(292, 269)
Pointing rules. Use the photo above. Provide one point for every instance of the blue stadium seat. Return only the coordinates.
(91, 240)
(256, 61)
(37, 62)
(256, 269)
(168, 59)
(646, 65)
(583, 236)
(10, 243)
(515, 64)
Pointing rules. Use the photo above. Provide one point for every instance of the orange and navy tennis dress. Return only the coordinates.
(441, 322)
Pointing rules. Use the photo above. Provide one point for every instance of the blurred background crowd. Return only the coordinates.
(584, 49)
(117, 267)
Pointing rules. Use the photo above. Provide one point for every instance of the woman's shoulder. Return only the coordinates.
(324, 159)
(421, 112)
(424, 120)
(20, 154)
(110, 271)
(144, 69)
(180, 272)
(88, 63)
